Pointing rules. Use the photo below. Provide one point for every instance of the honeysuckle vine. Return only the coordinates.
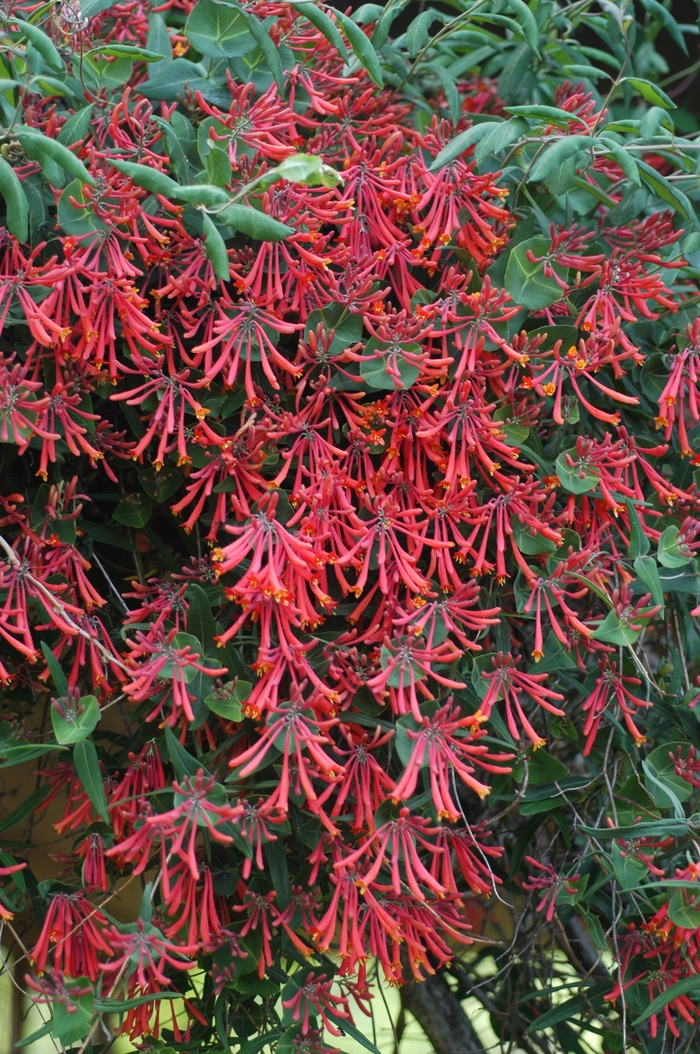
(349, 428)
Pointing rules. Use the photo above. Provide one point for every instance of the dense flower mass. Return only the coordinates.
(349, 416)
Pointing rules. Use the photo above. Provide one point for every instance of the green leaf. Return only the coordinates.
(53, 86)
(500, 137)
(216, 795)
(16, 751)
(590, 72)
(80, 722)
(43, 44)
(615, 630)
(306, 169)
(362, 47)
(546, 114)
(664, 790)
(557, 152)
(169, 81)
(527, 22)
(684, 909)
(648, 573)
(219, 30)
(103, 73)
(668, 21)
(594, 191)
(526, 281)
(417, 34)
(569, 1008)
(72, 1022)
(150, 179)
(200, 621)
(567, 334)
(125, 51)
(38, 146)
(219, 169)
(562, 179)
(350, 1030)
(88, 769)
(202, 194)
(385, 19)
(595, 931)
(183, 762)
(449, 86)
(365, 14)
(684, 987)
(119, 1006)
(661, 187)
(629, 871)
(227, 701)
(90, 8)
(134, 510)
(346, 327)
(256, 1044)
(77, 126)
(660, 763)
(72, 218)
(678, 581)
(258, 225)
(158, 40)
(405, 671)
(55, 669)
(28, 806)
(462, 142)
(215, 248)
(669, 553)
(574, 478)
(647, 829)
(403, 744)
(160, 485)
(639, 544)
(375, 372)
(323, 24)
(16, 204)
(34, 1037)
(181, 640)
(269, 50)
(624, 159)
(543, 768)
(276, 857)
(651, 92)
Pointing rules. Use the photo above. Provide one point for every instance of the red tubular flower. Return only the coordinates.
(370, 442)
(168, 668)
(364, 780)
(447, 742)
(196, 904)
(406, 663)
(94, 871)
(508, 682)
(298, 731)
(143, 776)
(400, 839)
(611, 685)
(455, 613)
(551, 883)
(253, 825)
(686, 767)
(314, 996)
(197, 804)
(141, 948)
(72, 937)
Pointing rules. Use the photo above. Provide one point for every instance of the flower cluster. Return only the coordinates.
(321, 466)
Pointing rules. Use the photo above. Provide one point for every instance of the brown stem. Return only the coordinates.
(439, 1013)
